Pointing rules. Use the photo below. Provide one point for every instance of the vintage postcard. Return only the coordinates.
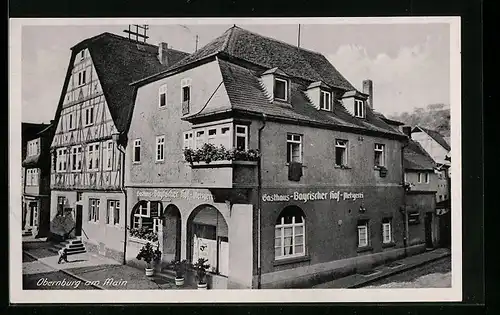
(277, 160)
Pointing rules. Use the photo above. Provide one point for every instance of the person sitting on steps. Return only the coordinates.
(63, 255)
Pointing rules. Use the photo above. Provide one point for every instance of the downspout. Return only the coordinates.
(405, 210)
(259, 202)
(122, 188)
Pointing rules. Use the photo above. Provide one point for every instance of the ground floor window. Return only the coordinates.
(113, 212)
(363, 235)
(289, 233)
(94, 209)
(386, 231)
(146, 221)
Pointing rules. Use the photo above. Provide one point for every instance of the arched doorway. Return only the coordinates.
(171, 233)
(207, 237)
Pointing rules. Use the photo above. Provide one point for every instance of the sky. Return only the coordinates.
(409, 64)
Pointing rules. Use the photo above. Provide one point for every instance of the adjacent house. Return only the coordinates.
(87, 197)
(422, 183)
(262, 158)
(29, 131)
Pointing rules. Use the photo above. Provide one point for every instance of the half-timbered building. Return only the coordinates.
(92, 118)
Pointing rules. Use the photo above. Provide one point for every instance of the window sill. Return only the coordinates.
(342, 167)
(160, 161)
(291, 260)
(93, 222)
(364, 249)
(387, 245)
(138, 240)
(221, 163)
(136, 163)
(303, 165)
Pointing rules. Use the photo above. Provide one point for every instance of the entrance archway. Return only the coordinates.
(171, 233)
(207, 237)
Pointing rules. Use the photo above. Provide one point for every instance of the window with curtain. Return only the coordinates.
(289, 237)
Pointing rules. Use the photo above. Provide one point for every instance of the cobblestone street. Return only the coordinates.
(433, 275)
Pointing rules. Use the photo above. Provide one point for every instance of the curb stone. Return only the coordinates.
(398, 271)
(69, 273)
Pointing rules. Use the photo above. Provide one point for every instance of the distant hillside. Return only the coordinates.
(435, 117)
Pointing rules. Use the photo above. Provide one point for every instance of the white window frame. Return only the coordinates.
(405, 177)
(82, 54)
(286, 89)
(110, 212)
(324, 96)
(94, 208)
(89, 115)
(141, 212)
(281, 227)
(76, 151)
(137, 145)
(379, 147)
(239, 134)
(94, 156)
(71, 121)
(162, 91)
(342, 144)
(290, 141)
(363, 227)
(187, 139)
(387, 232)
(108, 152)
(359, 108)
(160, 149)
(199, 141)
(226, 139)
(427, 177)
(419, 177)
(61, 160)
(211, 138)
(82, 77)
(156, 225)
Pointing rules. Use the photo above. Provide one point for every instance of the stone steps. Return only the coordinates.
(73, 246)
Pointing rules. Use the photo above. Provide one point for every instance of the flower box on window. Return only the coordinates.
(382, 171)
(144, 234)
(209, 153)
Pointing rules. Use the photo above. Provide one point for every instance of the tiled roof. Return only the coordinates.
(436, 136)
(416, 158)
(120, 61)
(270, 53)
(247, 95)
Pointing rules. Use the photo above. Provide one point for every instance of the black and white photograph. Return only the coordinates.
(274, 159)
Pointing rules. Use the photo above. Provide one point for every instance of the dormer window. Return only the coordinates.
(359, 108)
(325, 101)
(280, 89)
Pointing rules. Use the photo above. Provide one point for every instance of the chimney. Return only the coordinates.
(368, 89)
(163, 53)
(407, 131)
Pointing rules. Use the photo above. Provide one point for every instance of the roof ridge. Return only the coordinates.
(115, 36)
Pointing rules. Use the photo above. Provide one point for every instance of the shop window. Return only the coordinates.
(144, 225)
(294, 148)
(289, 237)
(94, 205)
(363, 234)
(387, 230)
(379, 154)
(341, 152)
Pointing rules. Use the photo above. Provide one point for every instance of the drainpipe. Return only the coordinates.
(259, 202)
(116, 137)
(406, 235)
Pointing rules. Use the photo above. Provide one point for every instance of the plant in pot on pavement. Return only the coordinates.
(148, 254)
(201, 267)
(180, 269)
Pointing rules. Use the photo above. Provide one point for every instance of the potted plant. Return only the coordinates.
(201, 267)
(180, 269)
(148, 254)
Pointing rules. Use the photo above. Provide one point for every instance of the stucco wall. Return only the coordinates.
(319, 158)
(435, 150)
(412, 177)
(150, 121)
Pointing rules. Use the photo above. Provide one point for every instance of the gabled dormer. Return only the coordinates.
(355, 103)
(277, 85)
(320, 95)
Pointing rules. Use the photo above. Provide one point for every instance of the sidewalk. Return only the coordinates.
(101, 272)
(357, 280)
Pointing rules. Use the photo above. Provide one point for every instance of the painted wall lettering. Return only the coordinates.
(188, 194)
(313, 196)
